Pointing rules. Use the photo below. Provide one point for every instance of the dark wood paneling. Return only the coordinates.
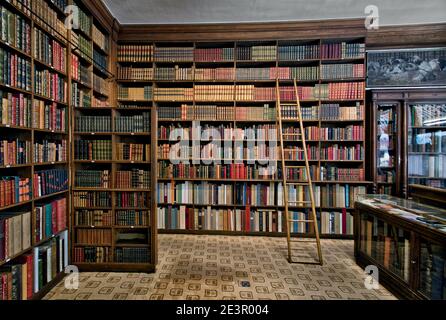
(245, 31)
(408, 36)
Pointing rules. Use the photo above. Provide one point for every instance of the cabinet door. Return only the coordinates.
(432, 270)
(426, 144)
(388, 245)
(386, 153)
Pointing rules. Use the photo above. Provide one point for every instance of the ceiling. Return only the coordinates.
(395, 12)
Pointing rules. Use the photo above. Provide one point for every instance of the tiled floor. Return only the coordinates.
(223, 267)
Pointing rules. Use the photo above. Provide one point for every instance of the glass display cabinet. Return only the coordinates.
(406, 240)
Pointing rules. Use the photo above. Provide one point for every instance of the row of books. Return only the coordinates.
(101, 85)
(139, 123)
(132, 218)
(14, 152)
(93, 124)
(15, 109)
(208, 132)
(49, 116)
(100, 60)
(342, 71)
(93, 150)
(134, 179)
(134, 93)
(50, 219)
(132, 255)
(50, 151)
(15, 71)
(336, 222)
(100, 39)
(15, 30)
(130, 73)
(331, 173)
(426, 114)
(347, 133)
(50, 85)
(79, 71)
(179, 94)
(173, 74)
(92, 255)
(31, 272)
(270, 194)
(387, 245)
(96, 218)
(14, 189)
(47, 17)
(342, 50)
(132, 199)
(15, 234)
(135, 53)
(432, 266)
(133, 151)
(83, 46)
(51, 181)
(229, 171)
(337, 112)
(435, 141)
(94, 236)
(85, 22)
(86, 199)
(427, 166)
(92, 179)
(80, 96)
(49, 51)
(148, 53)
(345, 153)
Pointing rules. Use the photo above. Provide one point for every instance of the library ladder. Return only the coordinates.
(306, 181)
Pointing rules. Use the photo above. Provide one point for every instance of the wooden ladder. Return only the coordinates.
(306, 181)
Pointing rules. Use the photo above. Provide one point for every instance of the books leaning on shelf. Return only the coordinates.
(50, 219)
(92, 150)
(13, 190)
(50, 259)
(14, 152)
(49, 116)
(15, 30)
(15, 109)
(92, 179)
(47, 182)
(15, 234)
(135, 179)
(135, 53)
(50, 151)
(15, 71)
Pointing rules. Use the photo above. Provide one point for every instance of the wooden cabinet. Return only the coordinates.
(406, 241)
(409, 130)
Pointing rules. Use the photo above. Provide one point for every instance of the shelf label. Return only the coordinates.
(93, 133)
(8, 126)
(132, 134)
(53, 162)
(132, 162)
(8, 166)
(92, 161)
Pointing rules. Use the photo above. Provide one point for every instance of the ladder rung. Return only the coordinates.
(307, 221)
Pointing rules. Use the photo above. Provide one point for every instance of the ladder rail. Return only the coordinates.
(309, 179)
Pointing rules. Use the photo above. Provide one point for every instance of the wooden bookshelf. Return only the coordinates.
(104, 103)
(159, 62)
(39, 136)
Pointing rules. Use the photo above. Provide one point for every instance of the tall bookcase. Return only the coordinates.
(229, 85)
(34, 130)
(112, 202)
